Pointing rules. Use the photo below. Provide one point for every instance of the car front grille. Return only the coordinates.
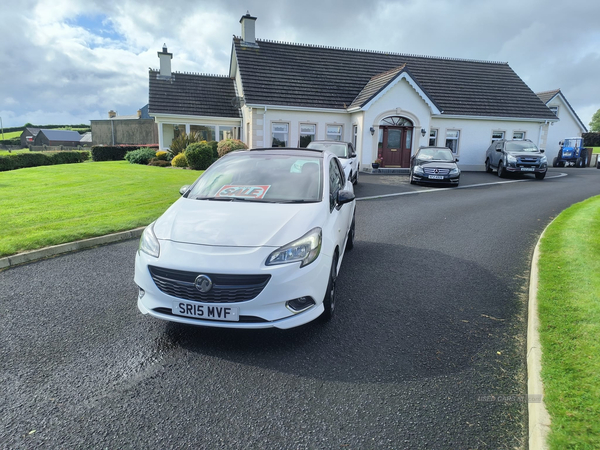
(526, 161)
(226, 288)
(431, 171)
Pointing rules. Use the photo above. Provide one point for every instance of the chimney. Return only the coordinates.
(165, 62)
(112, 114)
(139, 113)
(248, 30)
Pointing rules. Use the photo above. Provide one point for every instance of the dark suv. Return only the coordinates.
(516, 156)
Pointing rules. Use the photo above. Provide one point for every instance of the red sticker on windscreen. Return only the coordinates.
(243, 191)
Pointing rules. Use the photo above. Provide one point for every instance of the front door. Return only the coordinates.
(397, 144)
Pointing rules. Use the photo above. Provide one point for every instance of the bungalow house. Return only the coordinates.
(569, 124)
(67, 138)
(387, 104)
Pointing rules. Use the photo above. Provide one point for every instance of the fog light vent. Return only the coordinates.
(300, 304)
(142, 292)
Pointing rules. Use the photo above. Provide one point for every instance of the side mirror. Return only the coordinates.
(561, 142)
(542, 150)
(184, 189)
(498, 149)
(345, 197)
(455, 159)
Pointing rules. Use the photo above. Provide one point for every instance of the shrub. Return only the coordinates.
(22, 160)
(181, 142)
(199, 156)
(110, 153)
(215, 148)
(140, 156)
(179, 161)
(161, 155)
(159, 163)
(229, 145)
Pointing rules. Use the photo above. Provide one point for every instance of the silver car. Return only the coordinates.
(346, 154)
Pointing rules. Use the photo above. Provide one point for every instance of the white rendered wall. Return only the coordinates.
(566, 127)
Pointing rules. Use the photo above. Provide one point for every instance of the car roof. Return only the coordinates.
(317, 153)
(329, 142)
(437, 148)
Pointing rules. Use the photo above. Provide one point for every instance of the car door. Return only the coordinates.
(340, 216)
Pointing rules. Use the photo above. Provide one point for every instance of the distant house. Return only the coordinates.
(569, 124)
(57, 137)
(28, 136)
(137, 129)
(388, 104)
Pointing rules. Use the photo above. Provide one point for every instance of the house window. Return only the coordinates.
(520, 135)
(433, 137)
(497, 135)
(228, 133)
(554, 110)
(452, 137)
(307, 134)
(171, 131)
(354, 135)
(206, 132)
(279, 133)
(335, 132)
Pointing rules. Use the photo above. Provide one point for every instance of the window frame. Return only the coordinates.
(521, 138)
(459, 132)
(355, 135)
(334, 125)
(495, 139)
(276, 122)
(555, 107)
(300, 134)
(434, 131)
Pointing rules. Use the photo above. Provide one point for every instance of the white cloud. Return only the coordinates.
(71, 60)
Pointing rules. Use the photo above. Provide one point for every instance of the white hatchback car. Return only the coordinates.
(345, 152)
(255, 242)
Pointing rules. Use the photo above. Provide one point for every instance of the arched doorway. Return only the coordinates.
(395, 141)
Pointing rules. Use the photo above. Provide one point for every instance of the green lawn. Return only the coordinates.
(569, 308)
(6, 152)
(49, 205)
(12, 134)
(596, 149)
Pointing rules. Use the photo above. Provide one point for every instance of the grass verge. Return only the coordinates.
(49, 205)
(11, 135)
(6, 152)
(569, 309)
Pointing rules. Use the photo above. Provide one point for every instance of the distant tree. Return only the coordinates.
(28, 125)
(595, 123)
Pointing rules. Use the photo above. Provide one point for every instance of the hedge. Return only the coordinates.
(22, 160)
(591, 139)
(199, 155)
(115, 152)
(141, 156)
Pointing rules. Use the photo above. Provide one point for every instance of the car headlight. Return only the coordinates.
(454, 171)
(418, 169)
(511, 159)
(306, 249)
(543, 160)
(148, 242)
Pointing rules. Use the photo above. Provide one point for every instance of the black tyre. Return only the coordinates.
(329, 300)
(488, 167)
(579, 162)
(555, 162)
(351, 233)
(540, 176)
(501, 171)
(355, 182)
(412, 180)
(584, 158)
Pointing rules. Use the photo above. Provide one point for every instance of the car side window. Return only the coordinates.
(351, 150)
(335, 182)
(499, 146)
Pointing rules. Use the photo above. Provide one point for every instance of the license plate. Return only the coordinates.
(436, 177)
(207, 312)
(527, 169)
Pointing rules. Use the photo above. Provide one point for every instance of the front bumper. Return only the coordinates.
(446, 180)
(526, 169)
(267, 310)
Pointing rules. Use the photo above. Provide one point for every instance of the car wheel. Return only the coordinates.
(488, 166)
(329, 300)
(351, 233)
(412, 180)
(540, 176)
(501, 171)
(355, 182)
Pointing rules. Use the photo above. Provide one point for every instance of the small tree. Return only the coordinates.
(181, 142)
(595, 123)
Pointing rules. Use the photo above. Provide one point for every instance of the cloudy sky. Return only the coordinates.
(71, 61)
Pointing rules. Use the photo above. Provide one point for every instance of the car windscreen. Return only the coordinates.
(571, 143)
(339, 150)
(435, 154)
(261, 177)
(521, 146)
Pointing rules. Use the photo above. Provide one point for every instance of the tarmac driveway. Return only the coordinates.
(430, 322)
